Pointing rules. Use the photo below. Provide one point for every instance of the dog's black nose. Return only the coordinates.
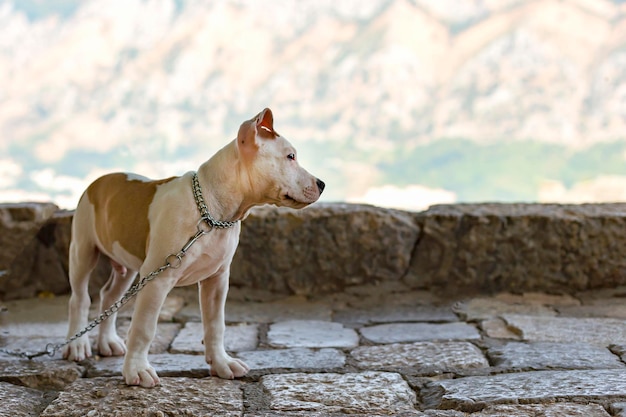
(320, 184)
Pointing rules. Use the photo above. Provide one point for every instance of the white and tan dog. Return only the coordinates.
(137, 223)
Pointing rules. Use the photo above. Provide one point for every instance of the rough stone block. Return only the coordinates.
(477, 247)
(531, 410)
(520, 247)
(19, 224)
(367, 392)
(415, 332)
(21, 401)
(21, 237)
(618, 409)
(597, 331)
(412, 413)
(466, 394)
(311, 333)
(42, 374)
(534, 356)
(296, 358)
(323, 248)
(106, 397)
(422, 358)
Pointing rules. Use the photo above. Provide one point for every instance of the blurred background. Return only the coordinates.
(398, 103)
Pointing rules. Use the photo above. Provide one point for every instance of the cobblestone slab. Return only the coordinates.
(311, 333)
(498, 329)
(570, 369)
(534, 410)
(372, 296)
(161, 343)
(540, 386)
(393, 313)
(613, 311)
(598, 331)
(56, 331)
(619, 350)
(366, 392)
(290, 308)
(171, 306)
(618, 409)
(236, 338)
(31, 344)
(485, 308)
(539, 298)
(545, 355)
(103, 397)
(414, 413)
(165, 364)
(423, 357)
(415, 332)
(19, 401)
(166, 332)
(296, 358)
(44, 374)
(35, 310)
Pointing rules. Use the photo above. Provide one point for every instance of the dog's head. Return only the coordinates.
(271, 164)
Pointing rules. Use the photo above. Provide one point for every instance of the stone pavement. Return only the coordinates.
(370, 351)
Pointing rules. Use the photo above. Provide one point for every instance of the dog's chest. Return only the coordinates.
(209, 256)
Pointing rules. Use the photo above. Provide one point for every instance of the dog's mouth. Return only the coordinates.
(290, 201)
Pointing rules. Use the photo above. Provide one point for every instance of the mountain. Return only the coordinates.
(157, 86)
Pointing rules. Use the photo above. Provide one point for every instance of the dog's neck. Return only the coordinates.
(225, 186)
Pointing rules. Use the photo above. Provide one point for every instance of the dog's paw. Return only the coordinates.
(78, 350)
(139, 372)
(111, 346)
(230, 368)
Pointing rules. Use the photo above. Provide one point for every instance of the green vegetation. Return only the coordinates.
(505, 171)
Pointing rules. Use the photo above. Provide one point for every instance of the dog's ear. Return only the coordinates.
(265, 124)
(261, 125)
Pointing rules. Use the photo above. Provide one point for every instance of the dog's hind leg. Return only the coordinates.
(109, 343)
(83, 259)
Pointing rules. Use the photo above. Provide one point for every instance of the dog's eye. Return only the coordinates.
(291, 156)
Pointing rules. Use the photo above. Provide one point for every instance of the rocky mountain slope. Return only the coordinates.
(158, 85)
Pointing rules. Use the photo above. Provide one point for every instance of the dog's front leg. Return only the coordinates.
(213, 293)
(137, 370)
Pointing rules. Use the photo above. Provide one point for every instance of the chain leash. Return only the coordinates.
(173, 261)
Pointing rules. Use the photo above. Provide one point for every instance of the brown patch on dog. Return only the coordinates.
(121, 211)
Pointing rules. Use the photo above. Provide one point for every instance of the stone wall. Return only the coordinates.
(327, 247)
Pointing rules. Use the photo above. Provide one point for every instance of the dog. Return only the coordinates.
(138, 223)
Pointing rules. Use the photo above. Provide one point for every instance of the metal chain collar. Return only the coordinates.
(204, 211)
(173, 261)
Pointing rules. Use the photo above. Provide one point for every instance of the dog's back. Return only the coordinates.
(113, 214)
